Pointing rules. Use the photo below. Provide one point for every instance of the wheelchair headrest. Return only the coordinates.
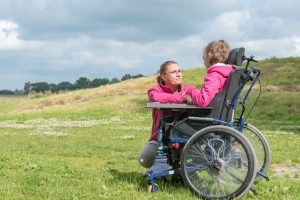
(236, 56)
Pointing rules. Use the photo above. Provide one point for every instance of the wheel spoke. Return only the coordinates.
(261, 147)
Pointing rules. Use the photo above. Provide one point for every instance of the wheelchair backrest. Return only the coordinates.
(222, 103)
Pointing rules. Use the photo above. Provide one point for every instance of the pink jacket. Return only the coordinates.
(214, 82)
(163, 94)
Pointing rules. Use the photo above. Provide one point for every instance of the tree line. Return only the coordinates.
(81, 83)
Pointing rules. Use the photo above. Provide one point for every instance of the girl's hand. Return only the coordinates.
(187, 99)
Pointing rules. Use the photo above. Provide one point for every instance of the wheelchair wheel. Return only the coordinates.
(262, 149)
(218, 162)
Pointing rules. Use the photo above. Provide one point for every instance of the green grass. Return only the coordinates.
(84, 144)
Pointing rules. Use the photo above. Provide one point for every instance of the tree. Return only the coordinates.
(40, 87)
(53, 88)
(126, 77)
(27, 87)
(65, 85)
(99, 81)
(137, 76)
(19, 92)
(114, 80)
(82, 83)
(6, 92)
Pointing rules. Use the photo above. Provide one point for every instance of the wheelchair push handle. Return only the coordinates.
(250, 59)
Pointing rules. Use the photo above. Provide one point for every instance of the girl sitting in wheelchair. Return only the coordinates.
(215, 57)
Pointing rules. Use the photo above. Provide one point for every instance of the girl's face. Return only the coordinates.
(172, 75)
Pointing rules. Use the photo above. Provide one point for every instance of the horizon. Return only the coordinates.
(119, 78)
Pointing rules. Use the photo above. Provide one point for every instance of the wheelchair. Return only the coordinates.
(212, 148)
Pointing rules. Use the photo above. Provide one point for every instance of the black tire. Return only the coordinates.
(262, 149)
(210, 167)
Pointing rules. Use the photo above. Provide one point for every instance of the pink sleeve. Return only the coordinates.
(212, 84)
(157, 96)
(188, 89)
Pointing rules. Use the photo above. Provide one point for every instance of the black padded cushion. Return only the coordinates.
(236, 56)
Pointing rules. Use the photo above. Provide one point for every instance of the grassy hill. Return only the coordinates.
(83, 144)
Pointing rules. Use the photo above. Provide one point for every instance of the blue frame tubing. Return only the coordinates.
(253, 71)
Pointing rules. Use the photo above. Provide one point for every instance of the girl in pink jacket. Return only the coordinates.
(168, 90)
(215, 57)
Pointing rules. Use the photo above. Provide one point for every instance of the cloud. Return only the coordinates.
(281, 47)
(229, 26)
(124, 20)
(62, 40)
(9, 35)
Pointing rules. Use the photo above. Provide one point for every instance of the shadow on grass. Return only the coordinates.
(141, 182)
(134, 178)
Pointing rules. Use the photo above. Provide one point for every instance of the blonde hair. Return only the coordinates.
(162, 70)
(217, 52)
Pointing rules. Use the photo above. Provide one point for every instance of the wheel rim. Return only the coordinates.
(216, 165)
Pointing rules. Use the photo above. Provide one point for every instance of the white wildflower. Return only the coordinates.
(126, 137)
(49, 132)
(30, 166)
(137, 128)
(45, 126)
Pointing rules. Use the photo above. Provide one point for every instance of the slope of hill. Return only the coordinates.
(278, 103)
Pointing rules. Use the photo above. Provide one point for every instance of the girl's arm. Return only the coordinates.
(212, 85)
(157, 96)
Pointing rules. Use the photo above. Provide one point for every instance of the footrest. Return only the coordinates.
(159, 165)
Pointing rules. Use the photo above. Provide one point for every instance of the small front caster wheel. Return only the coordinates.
(152, 189)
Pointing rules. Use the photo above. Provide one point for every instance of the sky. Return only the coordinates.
(63, 40)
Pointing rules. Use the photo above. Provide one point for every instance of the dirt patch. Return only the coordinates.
(47, 103)
(283, 88)
(61, 102)
(287, 170)
(78, 97)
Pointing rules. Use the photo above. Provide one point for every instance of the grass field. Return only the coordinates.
(84, 144)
